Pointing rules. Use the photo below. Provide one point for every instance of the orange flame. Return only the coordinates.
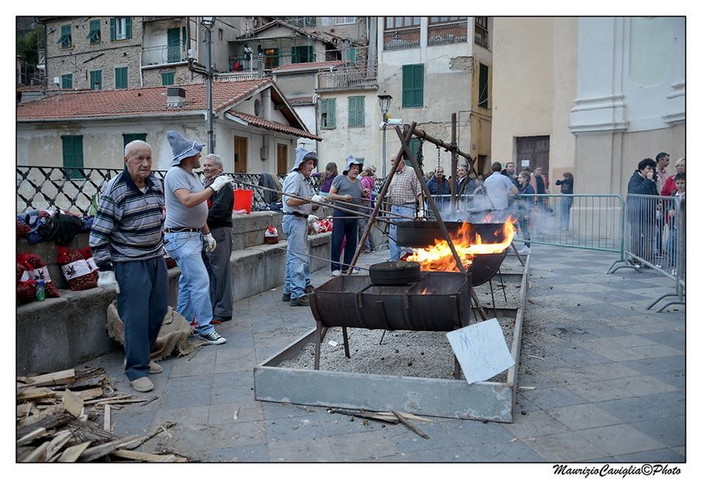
(467, 243)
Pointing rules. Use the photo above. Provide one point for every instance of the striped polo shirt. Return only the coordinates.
(128, 225)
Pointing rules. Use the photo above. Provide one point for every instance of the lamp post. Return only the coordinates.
(384, 100)
(208, 23)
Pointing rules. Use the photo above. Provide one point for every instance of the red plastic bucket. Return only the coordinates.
(243, 200)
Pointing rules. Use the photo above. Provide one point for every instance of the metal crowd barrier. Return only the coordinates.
(592, 222)
(655, 238)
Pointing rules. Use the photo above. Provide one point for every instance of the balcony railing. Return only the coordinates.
(443, 34)
(347, 78)
(401, 39)
(164, 54)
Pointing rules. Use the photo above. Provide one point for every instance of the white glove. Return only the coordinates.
(220, 181)
(311, 219)
(210, 243)
(107, 280)
(318, 199)
(420, 213)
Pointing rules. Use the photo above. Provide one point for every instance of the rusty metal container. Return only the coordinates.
(438, 302)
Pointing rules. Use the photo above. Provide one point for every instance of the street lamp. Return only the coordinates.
(208, 23)
(384, 100)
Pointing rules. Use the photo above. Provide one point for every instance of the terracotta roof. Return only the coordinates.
(301, 100)
(309, 66)
(135, 102)
(275, 126)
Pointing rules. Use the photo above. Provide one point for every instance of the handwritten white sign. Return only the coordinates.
(481, 350)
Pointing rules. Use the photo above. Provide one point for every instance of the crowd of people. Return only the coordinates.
(139, 217)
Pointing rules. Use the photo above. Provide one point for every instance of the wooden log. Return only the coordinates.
(55, 445)
(94, 453)
(52, 421)
(37, 455)
(107, 424)
(33, 394)
(51, 379)
(367, 415)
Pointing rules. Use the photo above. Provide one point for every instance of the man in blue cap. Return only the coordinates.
(186, 230)
(296, 210)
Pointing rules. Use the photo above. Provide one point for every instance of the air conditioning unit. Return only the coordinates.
(192, 53)
(57, 80)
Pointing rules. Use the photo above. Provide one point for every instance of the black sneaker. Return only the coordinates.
(286, 297)
(303, 301)
(212, 337)
(221, 319)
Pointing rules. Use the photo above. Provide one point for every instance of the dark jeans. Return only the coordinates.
(343, 227)
(142, 304)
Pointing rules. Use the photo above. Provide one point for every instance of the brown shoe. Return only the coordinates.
(142, 384)
(302, 301)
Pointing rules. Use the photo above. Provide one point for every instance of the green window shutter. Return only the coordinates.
(94, 34)
(122, 77)
(412, 86)
(357, 111)
(483, 86)
(113, 29)
(302, 54)
(168, 78)
(73, 156)
(130, 137)
(129, 27)
(96, 80)
(66, 39)
(328, 112)
(67, 81)
(353, 55)
(173, 39)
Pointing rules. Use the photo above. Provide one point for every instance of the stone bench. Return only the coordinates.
(59, 333)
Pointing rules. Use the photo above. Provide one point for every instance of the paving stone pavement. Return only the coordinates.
(602, 380)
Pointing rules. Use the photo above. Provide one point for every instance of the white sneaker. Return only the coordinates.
(524, 251)
(356, 271)
(336, 272)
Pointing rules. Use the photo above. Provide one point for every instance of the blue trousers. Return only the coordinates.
(142, 304)
(297, 267)
(405, 210)
(194, 283)
(343, 227)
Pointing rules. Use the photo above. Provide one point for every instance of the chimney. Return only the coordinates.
(175, 97)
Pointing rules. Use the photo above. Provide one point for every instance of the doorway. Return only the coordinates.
(282, 159)
(532, 151)
(240, 154)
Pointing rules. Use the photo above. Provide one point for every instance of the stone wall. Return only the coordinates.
(60, 333)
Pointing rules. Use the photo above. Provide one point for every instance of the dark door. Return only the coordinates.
(532, 151)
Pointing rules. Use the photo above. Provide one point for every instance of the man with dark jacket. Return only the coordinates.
(641, 211)
(219, 220)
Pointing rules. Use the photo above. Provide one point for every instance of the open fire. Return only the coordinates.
(468, 244)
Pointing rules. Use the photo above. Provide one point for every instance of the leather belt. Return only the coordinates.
(181, 230)
(296, 213)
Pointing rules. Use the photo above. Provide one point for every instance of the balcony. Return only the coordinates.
(401, 39)
(164, 54)
(347, 78)
(443, 34)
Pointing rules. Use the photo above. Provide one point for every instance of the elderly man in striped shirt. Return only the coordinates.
(127, 243)
(405, 193)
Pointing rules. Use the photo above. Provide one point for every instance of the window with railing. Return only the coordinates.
(120, 28)
(66, 39)
(445, 30)
(481, 31)
(401, 33)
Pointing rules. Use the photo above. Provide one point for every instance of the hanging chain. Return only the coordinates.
(438, 156)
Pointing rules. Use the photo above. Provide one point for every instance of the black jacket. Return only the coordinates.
(221, 206)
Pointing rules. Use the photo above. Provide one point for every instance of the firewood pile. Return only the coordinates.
(66, 416)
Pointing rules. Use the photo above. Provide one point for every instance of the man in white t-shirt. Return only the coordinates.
(498, 188)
